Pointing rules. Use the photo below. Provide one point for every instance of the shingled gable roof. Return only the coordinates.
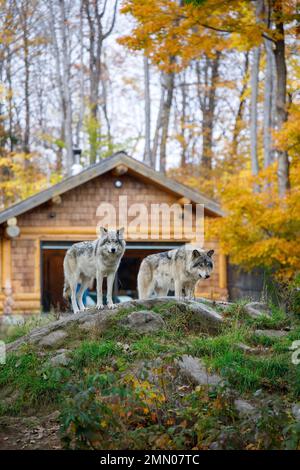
(99, 169)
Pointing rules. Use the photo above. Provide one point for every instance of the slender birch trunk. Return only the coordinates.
(168, 83)
(147, 151)
(268, 94)
(253, 110)
(281, 101)
(66, 84)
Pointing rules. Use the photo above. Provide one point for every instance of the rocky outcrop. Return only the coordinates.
(54, 334)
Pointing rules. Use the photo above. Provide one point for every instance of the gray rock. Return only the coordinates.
(53, 339)
(244, 408)
(296, 411)
(194, 369)
(60, 360)
(271, 333)
(211, 319)
(144, 321)
(206, 316)
(88, 325)
(8, 320)
(258, 309)
(249, 350)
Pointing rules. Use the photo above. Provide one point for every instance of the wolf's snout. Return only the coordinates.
(113, 250)
(207, 276)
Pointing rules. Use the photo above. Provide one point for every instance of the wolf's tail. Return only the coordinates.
(145, 280)
(67, 288)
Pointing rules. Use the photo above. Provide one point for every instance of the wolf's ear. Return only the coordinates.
(196, 254)
(120, 232)
(210, 253)
(103, 231)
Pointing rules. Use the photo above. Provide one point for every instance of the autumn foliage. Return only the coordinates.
(260, 229)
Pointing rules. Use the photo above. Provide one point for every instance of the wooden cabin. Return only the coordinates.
(35, 233)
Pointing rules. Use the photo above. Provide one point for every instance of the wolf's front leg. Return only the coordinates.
(178, 289)
(110, 284)
(99, 290)
(189, 292)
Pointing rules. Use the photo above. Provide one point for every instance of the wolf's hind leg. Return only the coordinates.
(161, 291)
(84, 284)
(145, 281)
(73, 286)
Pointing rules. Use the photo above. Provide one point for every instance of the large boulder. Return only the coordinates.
(143, 321)
(258, 309)
(53, 339)
(194, 369)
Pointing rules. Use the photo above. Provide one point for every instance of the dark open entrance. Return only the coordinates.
(125, 284)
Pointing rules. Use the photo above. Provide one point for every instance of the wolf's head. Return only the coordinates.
(112, 241)
(201, 264)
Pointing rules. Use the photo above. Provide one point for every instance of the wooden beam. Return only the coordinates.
(56, 200)
(6, 262)
(78, 232)
(37, 266)
(27, 296)
(184, 200)
(222, 271)
(12, 221)
(120, 170)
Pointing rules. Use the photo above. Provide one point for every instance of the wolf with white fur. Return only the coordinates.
(86, 261)
(178, 270)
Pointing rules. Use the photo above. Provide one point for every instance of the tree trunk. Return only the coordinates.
(183, 122)
(66, 90)
(281, 104)
(104, 106)
(253, 110)
(26, 139)
(96, 38)
(147, 151)
(268, 94)
(62, 81)
(81, 83)
(239, 114)
(154, 152)
(168, 83)
(211, 74)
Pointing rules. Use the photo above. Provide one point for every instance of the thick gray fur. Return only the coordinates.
(177, 270)
(86, 261)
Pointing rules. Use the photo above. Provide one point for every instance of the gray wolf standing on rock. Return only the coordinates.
(86, 261)
(177, 270)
